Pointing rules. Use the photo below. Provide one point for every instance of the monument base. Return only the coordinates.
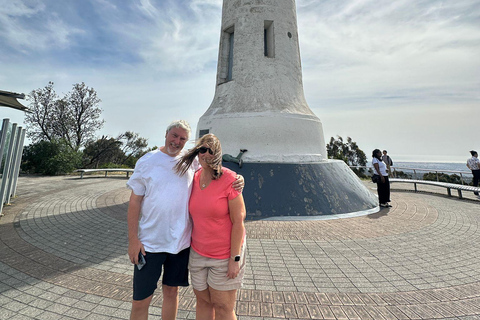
(287, 191)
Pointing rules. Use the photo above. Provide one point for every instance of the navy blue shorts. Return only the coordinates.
(175, 272)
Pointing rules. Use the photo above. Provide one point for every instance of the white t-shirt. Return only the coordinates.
(164, 224)
(381, 166)
(474, 163)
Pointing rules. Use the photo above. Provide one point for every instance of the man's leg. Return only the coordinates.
(170, 302)
(175, 273)
(145, 283)
(140, 309)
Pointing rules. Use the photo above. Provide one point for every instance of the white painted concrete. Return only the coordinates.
(263, 108)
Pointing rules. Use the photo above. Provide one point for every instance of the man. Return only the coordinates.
(159, 226)
(474, 164)
(388, 161)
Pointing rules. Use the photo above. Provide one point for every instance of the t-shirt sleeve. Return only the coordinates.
(231, 192)
(136, 183)
(195, 164)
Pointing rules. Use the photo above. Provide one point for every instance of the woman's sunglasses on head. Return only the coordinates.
(202, 150)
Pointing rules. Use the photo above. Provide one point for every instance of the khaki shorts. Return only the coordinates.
(205, 272)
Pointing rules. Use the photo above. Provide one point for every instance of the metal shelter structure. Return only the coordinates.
(11, 148)
(9, 99)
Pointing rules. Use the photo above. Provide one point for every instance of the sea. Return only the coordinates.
(441, 166)
(458, 168)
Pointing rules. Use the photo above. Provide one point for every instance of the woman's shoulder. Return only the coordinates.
(229, 174)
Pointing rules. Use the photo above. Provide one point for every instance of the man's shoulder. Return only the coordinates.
(149, 156)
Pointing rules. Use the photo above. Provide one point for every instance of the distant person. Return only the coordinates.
(159, 226)
(474, 164)
(388, 162)
(383, 184)
(217, 255)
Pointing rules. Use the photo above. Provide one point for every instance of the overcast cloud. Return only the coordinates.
(401, 75)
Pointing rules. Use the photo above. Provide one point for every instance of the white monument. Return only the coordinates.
(259, 105)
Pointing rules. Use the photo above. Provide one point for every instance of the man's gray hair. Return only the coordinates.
(180, 124)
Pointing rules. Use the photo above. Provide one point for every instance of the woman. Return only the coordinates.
(217, 254)
(474, 164)
(383, 184)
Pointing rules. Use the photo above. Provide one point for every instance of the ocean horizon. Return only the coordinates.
(441, 166)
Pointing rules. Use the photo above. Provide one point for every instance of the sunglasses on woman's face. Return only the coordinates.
(202, 150)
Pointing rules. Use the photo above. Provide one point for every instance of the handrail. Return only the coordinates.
(420, 169)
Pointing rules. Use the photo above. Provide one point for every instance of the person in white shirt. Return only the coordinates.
(159, 225)
(388, 162)
(474, 164)
(383, 184)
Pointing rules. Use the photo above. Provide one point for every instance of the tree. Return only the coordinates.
(74, 118)
(133, 146)
(102, 151)
(347, 151)
(124, 150)
(42, 116)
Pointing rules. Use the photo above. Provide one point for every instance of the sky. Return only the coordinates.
(400, 75)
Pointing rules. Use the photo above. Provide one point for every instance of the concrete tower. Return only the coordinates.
(259, 105)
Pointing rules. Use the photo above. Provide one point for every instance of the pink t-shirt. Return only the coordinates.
(208, 208)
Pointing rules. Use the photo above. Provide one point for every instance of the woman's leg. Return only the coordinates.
(382, 196)
(476, 178)
(204, 310)
(387, 189)
(223, 303)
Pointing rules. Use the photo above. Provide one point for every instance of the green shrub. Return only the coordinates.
(442, 177)
(50, 158)
(111, 165)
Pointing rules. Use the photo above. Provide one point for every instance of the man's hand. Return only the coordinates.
(134, 247)
(239, 183)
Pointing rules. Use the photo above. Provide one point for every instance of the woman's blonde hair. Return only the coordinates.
(215, 163)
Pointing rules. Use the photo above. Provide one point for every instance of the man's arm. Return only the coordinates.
(133, 215)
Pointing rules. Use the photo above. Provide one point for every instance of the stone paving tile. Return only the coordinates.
(63, 244)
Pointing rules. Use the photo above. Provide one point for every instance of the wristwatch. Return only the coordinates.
(236, 258)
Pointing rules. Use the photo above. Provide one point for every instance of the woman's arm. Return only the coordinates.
(237, 216)
(377, 167)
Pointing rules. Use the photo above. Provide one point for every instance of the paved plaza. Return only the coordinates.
(63, 244)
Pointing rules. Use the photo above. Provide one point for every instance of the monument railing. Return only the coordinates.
(464, 175)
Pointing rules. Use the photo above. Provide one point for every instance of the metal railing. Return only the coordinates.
(415, 170)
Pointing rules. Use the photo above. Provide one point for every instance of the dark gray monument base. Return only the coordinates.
(303, 190)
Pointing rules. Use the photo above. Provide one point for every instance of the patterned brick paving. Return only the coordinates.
(63, 256)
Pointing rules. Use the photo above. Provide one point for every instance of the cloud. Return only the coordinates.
(183, 39)
(412, 62)
(28, 26)
(411, 50)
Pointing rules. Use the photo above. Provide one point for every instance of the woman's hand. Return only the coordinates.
(233, 268)
(383, 179)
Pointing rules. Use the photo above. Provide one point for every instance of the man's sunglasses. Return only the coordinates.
(202, 150)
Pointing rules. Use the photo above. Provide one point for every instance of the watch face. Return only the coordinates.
(237, 258)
